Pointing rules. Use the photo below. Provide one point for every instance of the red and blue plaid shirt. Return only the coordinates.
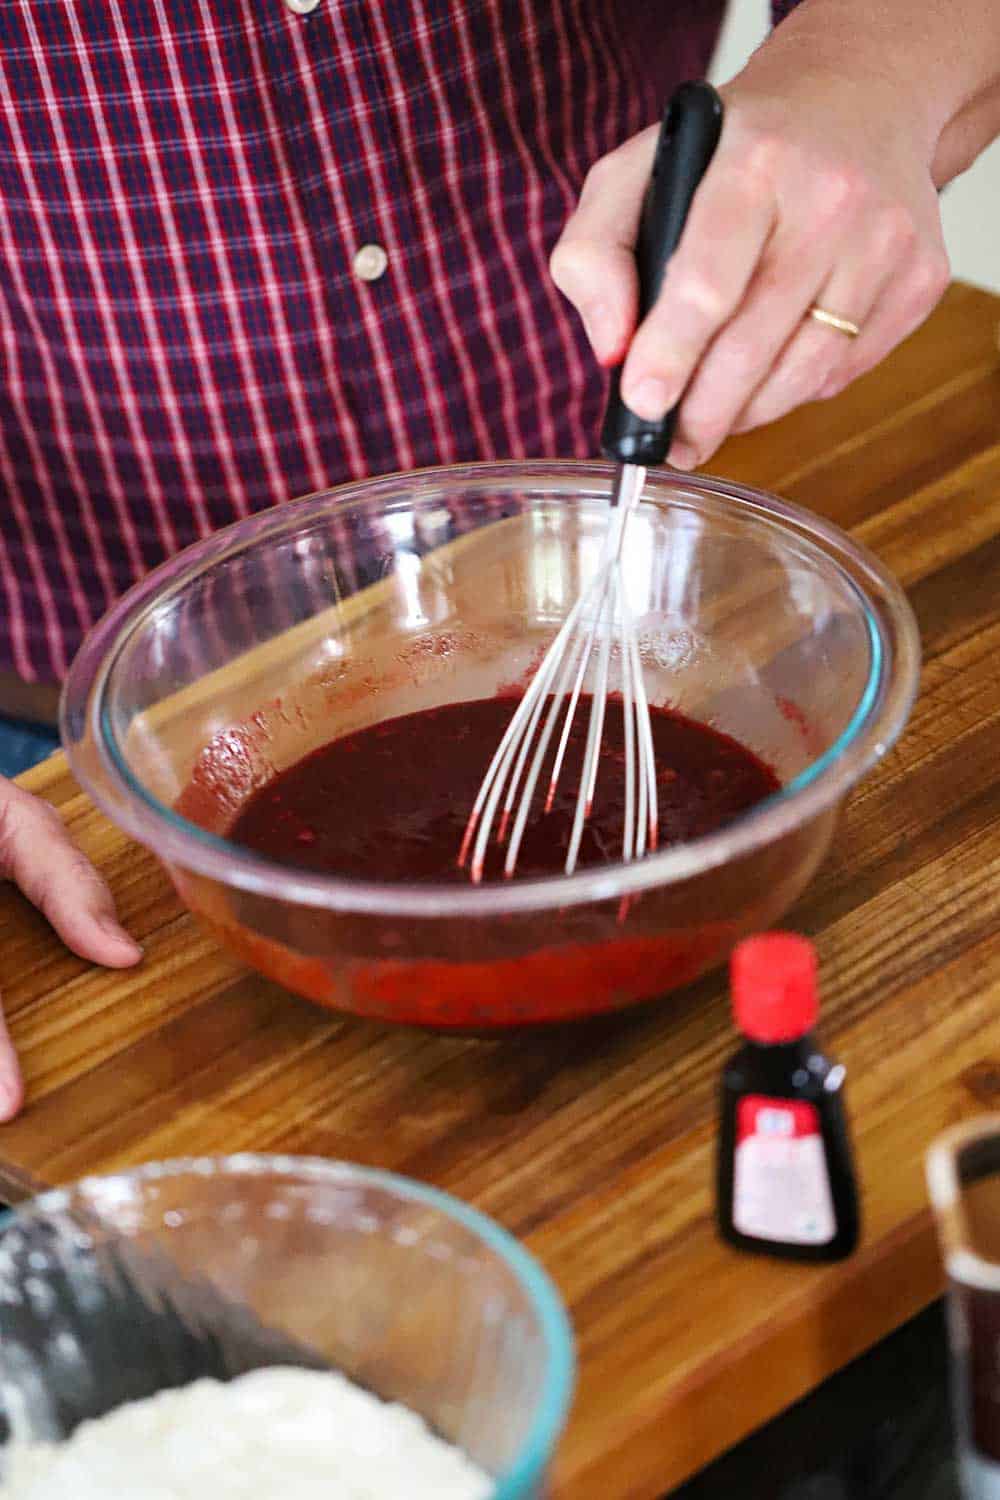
(191, 327)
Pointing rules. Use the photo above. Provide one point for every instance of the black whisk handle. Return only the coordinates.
(688, 137)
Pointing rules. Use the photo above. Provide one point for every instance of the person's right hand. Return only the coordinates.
(820, 196)
(38, 855)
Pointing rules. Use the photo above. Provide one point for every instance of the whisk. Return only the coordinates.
(687, 140)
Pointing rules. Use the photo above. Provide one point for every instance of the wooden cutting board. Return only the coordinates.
(595, 1145)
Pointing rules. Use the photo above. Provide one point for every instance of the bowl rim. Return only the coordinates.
(559, 1378)
(872, 730)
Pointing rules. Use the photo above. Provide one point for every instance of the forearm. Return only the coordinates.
(937, 63)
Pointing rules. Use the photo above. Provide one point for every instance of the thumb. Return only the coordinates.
(11, 1083)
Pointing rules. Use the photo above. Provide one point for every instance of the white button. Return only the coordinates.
(370, 262)
(302, 7)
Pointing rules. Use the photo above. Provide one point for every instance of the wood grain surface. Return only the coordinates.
(595, 1144)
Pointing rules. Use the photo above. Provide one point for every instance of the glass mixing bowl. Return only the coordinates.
(121, 1286)
(338, 611)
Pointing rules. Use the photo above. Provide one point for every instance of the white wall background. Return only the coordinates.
(970, 206)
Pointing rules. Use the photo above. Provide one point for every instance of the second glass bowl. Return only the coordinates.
(122, 1286)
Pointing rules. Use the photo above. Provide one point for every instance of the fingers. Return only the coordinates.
(773, 356)
(593, 264)
(820, 362)
(11, 1082)
(38, 854)
(907, 301)
(730, 221)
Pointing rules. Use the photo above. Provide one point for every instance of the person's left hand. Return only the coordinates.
(820, 192)
(38, 855)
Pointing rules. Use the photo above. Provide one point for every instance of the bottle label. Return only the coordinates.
(781, 1183)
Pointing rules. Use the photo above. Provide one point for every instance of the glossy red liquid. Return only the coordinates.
(391, 802)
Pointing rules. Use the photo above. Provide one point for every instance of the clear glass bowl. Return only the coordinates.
(121, 1286)
(252, 648)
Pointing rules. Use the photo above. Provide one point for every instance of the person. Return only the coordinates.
(249, 251)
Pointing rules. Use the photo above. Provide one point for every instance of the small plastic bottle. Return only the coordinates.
(786, 1182)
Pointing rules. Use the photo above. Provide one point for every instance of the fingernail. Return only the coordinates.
(682, 456)
(650, 398)
(8, 1101)
(599, 324)
(124, 940)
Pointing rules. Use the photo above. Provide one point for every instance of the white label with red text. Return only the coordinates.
(781, 1185)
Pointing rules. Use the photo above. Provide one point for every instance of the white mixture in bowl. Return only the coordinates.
(275, 1434)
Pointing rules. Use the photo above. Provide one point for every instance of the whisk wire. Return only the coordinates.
(535, 765)
(518, 771)
(490, 791)
(587, 645)
(628, 706)
(649, 806)
(601, 617)
(585, 801)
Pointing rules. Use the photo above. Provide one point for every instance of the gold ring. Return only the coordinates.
(842, 325)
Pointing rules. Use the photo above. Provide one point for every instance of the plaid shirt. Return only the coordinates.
(253, 248)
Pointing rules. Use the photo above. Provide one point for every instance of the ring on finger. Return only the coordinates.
(833, 320)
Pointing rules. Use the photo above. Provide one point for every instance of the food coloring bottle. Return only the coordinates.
(786, 1181)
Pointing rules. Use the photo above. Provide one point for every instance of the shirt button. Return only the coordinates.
(370, 262)
(302, 7)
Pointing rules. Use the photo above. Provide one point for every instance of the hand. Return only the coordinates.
(820, 191)
(38, 854)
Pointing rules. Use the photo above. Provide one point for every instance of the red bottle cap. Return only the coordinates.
(773, 982)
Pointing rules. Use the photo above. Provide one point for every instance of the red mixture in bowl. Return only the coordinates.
(390, 803)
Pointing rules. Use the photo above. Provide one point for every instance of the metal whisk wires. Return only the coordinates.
(600, 616)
